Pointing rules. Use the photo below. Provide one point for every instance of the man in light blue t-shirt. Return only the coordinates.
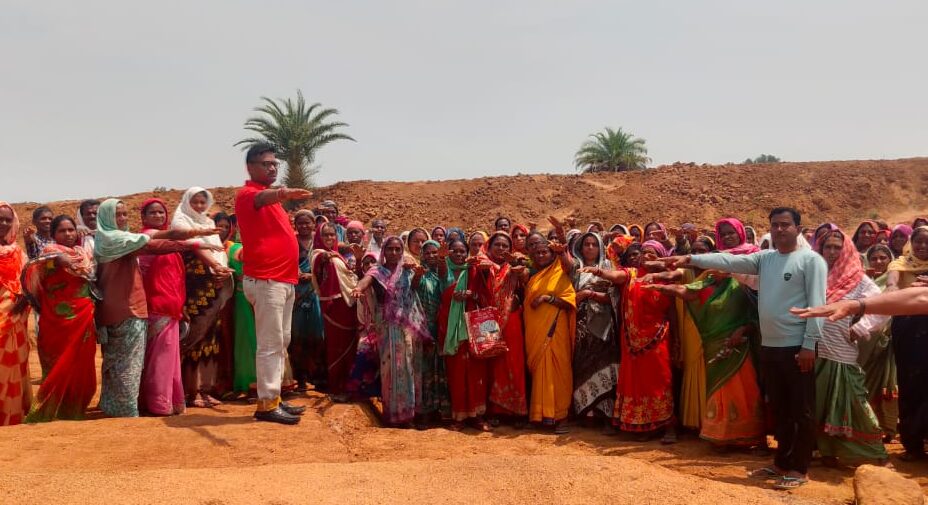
(789, 277)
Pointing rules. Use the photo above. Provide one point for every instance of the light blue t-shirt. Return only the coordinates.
(797, 279)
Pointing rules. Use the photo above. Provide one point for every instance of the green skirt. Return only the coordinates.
(847, 426)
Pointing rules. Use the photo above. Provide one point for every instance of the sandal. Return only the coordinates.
(790, 483)
(212, 402)
(561, 428)
(765, 473)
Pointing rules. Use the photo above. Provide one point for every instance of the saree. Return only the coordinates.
(123, 350)
(432, 367)
(245, 343)
(15, 389)
(596, 353)
(67, 339)
(876, 358)
(467, 376)
(734, 412)
(200, 347)
(401, 331)
(162, 391)
(507, 372)
(549, 343)
(644, 394)
(333, 282)
(307, 343)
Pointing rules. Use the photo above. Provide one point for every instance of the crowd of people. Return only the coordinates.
(642, 329)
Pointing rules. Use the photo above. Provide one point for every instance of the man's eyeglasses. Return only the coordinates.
(268, 164)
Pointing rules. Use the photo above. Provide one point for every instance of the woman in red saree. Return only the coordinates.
(507, 372)
(58, 285)
(334, 282)
(468, 376)
(644, 394)
(15, 391)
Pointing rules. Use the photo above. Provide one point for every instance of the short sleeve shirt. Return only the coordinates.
(269, 246)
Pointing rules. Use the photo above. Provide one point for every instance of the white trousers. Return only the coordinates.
(273, 304)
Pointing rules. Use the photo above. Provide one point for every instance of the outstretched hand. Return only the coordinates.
(833, 311)
(295, 194)
(674, 262)
(920, 282)
(557, 247)
(443, 251)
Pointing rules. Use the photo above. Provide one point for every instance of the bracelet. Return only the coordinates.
(862, 306)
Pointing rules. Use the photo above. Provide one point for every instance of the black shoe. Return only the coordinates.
(293, 410)
(277, 415)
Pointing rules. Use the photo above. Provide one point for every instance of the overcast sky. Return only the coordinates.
(112, 97)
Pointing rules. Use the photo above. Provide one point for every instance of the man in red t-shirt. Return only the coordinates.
(271, 268)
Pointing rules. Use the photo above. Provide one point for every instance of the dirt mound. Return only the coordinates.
(843, 192)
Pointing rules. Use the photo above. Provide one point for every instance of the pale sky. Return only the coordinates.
(113, 97)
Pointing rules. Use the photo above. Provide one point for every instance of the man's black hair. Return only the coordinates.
(255, 151)
(86, 204)
(797, 218)
(500, 218)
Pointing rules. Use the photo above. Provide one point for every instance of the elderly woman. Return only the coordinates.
(401, 330)
(209, 287)
(848, 428)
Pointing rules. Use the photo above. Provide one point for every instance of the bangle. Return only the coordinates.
(550, 298)
(862, 306)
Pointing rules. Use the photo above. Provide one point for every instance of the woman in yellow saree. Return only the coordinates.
(550, 323)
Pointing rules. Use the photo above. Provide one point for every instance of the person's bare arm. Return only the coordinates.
(362, 286)
(902, 302)
(277, 195)
(180, 234)
(617, 277)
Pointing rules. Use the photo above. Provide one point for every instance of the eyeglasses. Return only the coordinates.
(267, 164)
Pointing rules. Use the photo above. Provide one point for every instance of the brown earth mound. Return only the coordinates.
(843, 192)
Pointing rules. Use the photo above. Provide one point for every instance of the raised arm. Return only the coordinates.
(747, 264)
(902, 302)
(617, 277)
(277, 195)
(362, 286)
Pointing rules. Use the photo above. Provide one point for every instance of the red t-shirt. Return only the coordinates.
(269, 247)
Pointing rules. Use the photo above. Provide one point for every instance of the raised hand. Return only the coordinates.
(557, 247)
(409, 265)
(833, 311)
(655, 265)
(443, 251)
(29, 234)
(356, 293)
(556, 223)
(920, 282)
(674, 262)
(357, 251)
(419, 270)
(295, 194)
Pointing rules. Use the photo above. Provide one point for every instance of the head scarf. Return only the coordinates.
(873, 224)
(318, 242)
(753, 234)
(383, 251)
(908, 262)
(619, 228)
(709, 240)
(743, 246)
(617, 248)
(903, 229)
(442, 228)
(820, 232)
(595, 224)
(414, 230)
(847, 271)
(110, 242)
(357, 225)
(768, 239)
(12, 256)
(881, 247)
(454, 230)
(146, 203)
(432, 243)
(186, 218)
(640, 231)
(658, 247)
(660, 226)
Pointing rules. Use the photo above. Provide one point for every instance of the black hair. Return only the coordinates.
(797, 218)
(222, 216)
(880, 247)
(86, 204)
(634, 247)
(500, 218)
(494, 236)
(919, 220)
(60, 219)
(256, 150)
(458, 241)
(37, 213)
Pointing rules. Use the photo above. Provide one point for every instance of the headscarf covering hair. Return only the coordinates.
(871, 223)
(710, 243)
(881, 247)
(820, 232)
(478, 232)
(415, 230)
(658, 247)
(660, 226)
(9, 240)
(383, 250)
(442, 228)
(846, 272)
(111, 242)
(431, 243)
(908, 262)
(595, 224)
(743, 246)
(357, 225)
(753, 234)
(577, 249)
(639, 229)
(187, 218)
(514, 227)
(619, 228)
(883, 233)
(768, 239)
(452, 231)
(617, 248)
(148, 203)
(318, 243)
(903, 229)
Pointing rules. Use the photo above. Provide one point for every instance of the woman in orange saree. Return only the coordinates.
(550, 324)
(15, 391)
(58, 285)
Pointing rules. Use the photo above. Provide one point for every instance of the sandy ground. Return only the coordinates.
(339, 454)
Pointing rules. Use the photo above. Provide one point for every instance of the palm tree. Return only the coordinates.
(612, 151)
(297, 132)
